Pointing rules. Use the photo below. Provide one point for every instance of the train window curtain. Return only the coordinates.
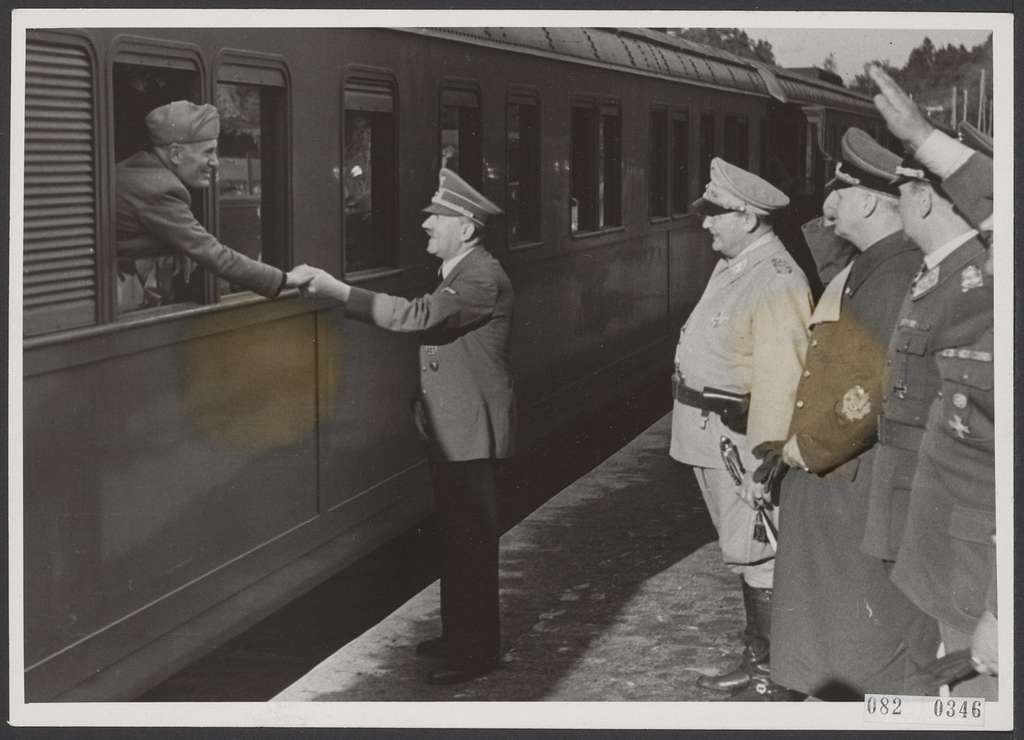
(60, 185)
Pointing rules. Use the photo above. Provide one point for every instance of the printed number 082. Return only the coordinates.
(885, 705)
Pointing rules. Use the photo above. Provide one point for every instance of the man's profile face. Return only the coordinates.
(196, 163)
(841, 210)
(728, 232)
(444, 235)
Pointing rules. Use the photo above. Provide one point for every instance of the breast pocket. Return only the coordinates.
(909, 376)
(967, 400)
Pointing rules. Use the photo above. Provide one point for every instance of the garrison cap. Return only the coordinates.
(183, 122)
(734, 189)
(866, 163)
(456, 197)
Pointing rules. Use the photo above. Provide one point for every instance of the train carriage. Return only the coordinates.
(195, 455)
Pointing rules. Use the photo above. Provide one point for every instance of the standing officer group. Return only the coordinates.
(886, 555)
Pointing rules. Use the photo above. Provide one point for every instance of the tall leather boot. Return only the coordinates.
(753, 645)
(760, 687)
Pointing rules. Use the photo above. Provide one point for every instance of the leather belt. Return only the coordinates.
(899, 435)
(688, 396)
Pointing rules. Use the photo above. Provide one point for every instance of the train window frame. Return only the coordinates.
(369, 78)
(706, 153)
(664, 182)
(598, 108)
(49, 320)
(263, 70)
(736, 139)
(524, 95)
(677, 114)
(462, 93)
(153, 53)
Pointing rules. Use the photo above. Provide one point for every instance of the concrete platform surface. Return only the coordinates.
(614, 590)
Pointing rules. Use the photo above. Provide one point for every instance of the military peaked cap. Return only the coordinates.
(734, 189)
(456, 197)
(183, 122)
(866, 163)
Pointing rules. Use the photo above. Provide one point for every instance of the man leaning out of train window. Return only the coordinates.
(159, 239)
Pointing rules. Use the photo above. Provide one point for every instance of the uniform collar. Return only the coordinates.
(448, 265)
(879, 253)
(752, 254)
(935, 258)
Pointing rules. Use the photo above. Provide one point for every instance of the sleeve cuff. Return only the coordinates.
(284, 281)
(942, 154)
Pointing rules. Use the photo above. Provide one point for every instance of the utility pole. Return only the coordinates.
(952, 109)
(981, 98)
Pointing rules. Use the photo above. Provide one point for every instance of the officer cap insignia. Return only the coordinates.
(856, 404)
(781, 266)
(971, 278)
(447, 289)
(865, 163)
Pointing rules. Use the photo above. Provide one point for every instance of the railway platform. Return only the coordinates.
(613, 590)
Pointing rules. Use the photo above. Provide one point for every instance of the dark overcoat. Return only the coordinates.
(465, 375)
(154, 214)
(839, 624)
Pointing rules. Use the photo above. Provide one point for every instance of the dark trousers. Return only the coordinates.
(466, 499)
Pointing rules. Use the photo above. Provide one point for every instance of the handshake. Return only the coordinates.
(313, 282)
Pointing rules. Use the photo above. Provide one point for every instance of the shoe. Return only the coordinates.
(435, 647)
(734, 679)
(452, 675)
(764, 689)
(755, 638)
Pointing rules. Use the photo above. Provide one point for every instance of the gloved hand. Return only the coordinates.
(772, 469)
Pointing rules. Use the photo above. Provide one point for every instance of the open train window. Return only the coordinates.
(523, 210)
(461, 146)
(596, 168)
(370, 173)
(147, 272)
(707, 142)
(657, 184)
(680, 163)
(252, 193)
(736, 144)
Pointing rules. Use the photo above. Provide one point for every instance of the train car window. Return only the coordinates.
(657, 185)
(736, 144)
(370, 174)
(60, 288)
(252, 196)
(680, 163)
(707, 142)
(461, 146)
(523, 211)
(149, 274)
(596, 169)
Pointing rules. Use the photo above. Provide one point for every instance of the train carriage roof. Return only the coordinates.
(655, 53)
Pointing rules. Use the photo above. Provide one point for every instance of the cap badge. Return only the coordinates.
(971, 278)
(856, 404)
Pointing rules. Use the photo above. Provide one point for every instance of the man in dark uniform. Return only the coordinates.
(947, 558)
(466, 410)
(158, 236)
(839, 625)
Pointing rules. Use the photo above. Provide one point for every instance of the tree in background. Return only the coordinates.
(829, 63)
(734, 40)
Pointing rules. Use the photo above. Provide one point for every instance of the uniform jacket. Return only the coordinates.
(840, 392)
(154, 214)
(465, 375)
(947, 561)
(950, 312)
(747, 334)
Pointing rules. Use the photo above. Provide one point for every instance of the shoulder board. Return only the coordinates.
(447, 289)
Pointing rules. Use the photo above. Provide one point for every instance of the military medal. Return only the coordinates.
(971, 278)
(958, 426)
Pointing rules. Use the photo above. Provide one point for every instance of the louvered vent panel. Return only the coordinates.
(60, 189)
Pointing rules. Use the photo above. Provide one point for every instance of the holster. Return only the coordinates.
(731, 407)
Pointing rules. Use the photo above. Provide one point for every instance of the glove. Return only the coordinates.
(772, 469)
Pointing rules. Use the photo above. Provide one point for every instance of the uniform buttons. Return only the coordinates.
(799, 404)
(423, 369)
(960, 400)
(965, 377)
(814, 342)
(807, 373)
